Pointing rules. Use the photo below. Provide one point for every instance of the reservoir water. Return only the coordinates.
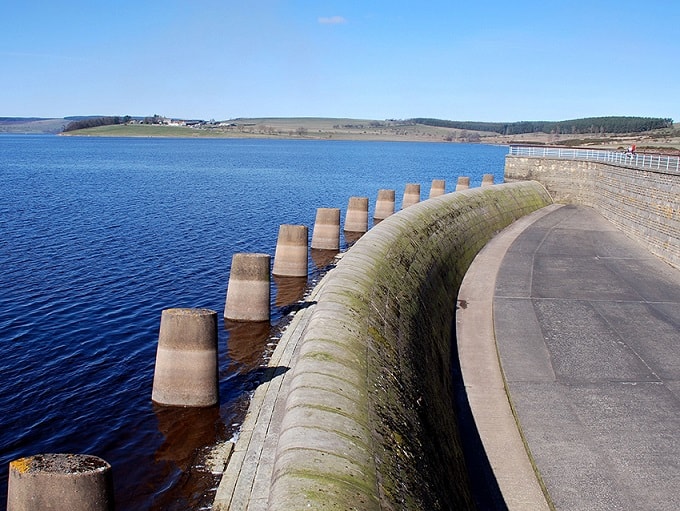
(99, 235)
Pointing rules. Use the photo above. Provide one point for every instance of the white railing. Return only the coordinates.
(655, 162)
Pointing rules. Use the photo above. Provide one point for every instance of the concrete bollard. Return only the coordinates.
(384, 205)
(411, 195)
(186, 360)
(463, 183)
(438, 188)
(291, 256)
(356, 219)
(326, 234)
(487, 179)
(248, 292)
(77, 482)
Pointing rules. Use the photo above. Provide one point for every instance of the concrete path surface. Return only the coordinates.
(587, 326)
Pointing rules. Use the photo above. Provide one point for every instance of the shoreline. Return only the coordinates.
(647, 143)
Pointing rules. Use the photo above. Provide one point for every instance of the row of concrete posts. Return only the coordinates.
(249, 282)
(186, 370)
(180, 361)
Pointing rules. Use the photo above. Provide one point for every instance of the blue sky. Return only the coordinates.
(220, 59)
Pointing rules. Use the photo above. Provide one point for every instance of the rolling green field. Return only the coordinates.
(318, 128)
(297, 128)
(139, 130)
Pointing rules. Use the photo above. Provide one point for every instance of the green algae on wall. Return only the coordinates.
(368, 422)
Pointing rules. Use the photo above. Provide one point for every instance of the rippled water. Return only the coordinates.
(98, 236)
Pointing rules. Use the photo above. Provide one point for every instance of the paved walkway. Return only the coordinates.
(587, 325)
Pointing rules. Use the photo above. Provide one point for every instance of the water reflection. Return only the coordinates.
(289, 290)
(352, 237)
(247, 342)
(322, 258)
(185, 431)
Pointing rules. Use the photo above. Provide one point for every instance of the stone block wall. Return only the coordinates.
(645, 204)
(368, 422)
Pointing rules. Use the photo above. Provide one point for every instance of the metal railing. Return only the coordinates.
(654, 162)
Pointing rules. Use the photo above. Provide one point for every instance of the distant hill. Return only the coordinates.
(32, 125)
(41, 125)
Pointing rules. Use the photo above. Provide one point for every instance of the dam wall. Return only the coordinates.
(368, 420)
(642, 202)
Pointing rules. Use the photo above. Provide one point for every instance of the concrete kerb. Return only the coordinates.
(483, 378)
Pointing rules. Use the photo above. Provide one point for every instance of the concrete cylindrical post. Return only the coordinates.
(438, 188)
(186, 359)
(326, 234)
(384, 205)
(248, 292)
(487, 179)
(77, 482)
(411, 195)
(291, 256)
(463, 183)
(356, 219)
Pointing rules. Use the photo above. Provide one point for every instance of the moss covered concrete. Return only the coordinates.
(368, 422)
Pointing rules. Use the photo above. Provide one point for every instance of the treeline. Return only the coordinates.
(93, 122)
(573, 126)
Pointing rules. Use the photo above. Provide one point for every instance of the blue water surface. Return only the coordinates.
(99, 235)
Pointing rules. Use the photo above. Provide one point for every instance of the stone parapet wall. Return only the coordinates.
(645, 204)
(368, 420)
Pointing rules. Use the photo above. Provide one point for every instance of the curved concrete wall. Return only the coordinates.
(643, 203)
(368, 421)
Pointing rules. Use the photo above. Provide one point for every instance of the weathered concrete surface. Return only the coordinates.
(186, 359)
(367, 421)
(587, 323)
(77, 482)
(248, 292)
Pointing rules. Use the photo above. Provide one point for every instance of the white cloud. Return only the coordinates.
(332, 20)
